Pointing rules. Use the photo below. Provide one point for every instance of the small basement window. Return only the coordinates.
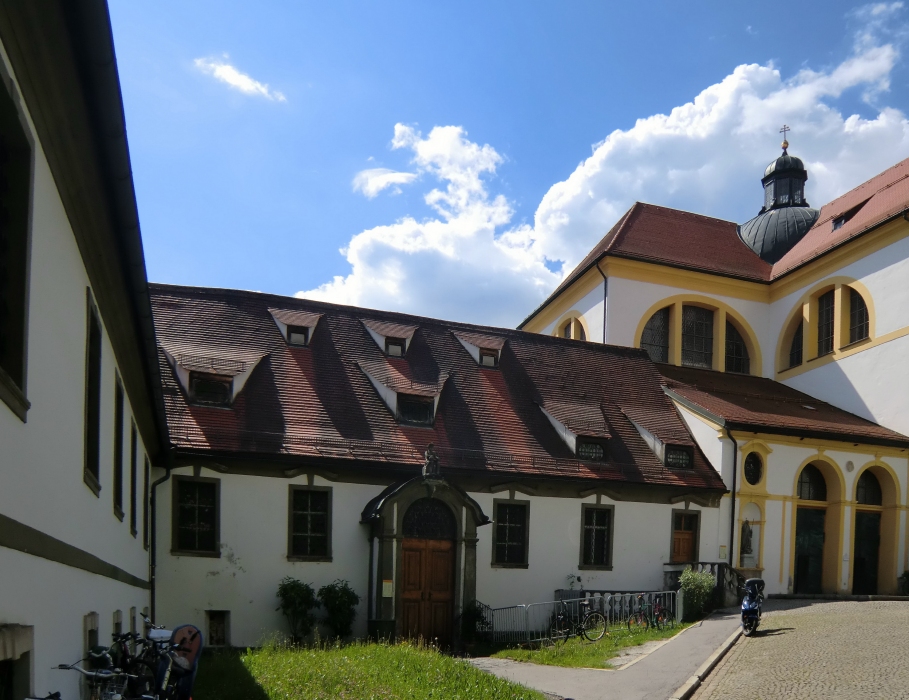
(679, 457)
(209, 389)
(489, 358)
(395, 347)
(415, 409)
(591, 451)
(298, 335)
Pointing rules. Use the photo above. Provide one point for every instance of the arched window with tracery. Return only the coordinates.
(868, 490)
(697, 337)
(812, 486)
(737, 359)
(655, 338)
(795, 348)
(858, 317)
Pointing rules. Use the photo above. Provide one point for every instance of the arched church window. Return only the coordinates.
(812, 485)
(581, 334)
(737, 359)
(868, 490)
(430, 519)
(697, 337)
(655, 338)
(566, 330)
(795, 349)
(825, 312)
(858, 317)
(754, 468)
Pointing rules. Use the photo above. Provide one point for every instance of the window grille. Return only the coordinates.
(868, 490)
(590, 451)
(597, 536)
(210, 389)
(697, 337)
(825, 309)
(737, 359)
(511, 533)
(858, 317)
(795, 349)
(754, 468)
(197, 516)
(812, 486)
(415, 409)
(310, 522)
(655, 338)
(679, 457)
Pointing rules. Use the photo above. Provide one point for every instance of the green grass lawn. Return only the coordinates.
(353, 672)
(579, 653)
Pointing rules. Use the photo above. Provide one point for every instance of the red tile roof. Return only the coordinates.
(756, 403)
(312, 404)
(304, 319)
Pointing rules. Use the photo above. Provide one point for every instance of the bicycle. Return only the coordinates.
(645, 617)
(663, 615)
(591, 625)
(103, 684)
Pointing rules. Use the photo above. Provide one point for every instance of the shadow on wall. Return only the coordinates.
(223, 676)
(830, 383)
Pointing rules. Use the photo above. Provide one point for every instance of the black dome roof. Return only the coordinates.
(773, 233)
(784, 162)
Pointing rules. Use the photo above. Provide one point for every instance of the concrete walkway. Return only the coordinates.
(652, 677)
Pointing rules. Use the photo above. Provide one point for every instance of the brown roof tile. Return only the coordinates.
(315, 403)
(744, 402)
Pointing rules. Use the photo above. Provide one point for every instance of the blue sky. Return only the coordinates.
(457, 159)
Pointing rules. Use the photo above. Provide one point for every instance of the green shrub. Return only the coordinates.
(472, 617)
(697, 589)
(298, 600)
(340, 602)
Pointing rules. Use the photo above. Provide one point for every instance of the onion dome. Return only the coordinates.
(786, 216)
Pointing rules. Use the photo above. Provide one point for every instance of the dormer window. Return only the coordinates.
(417, 410)
(678, 457)
(209, 389)
(489, 358)
(591, 450)
(298, 335)
(395, 347)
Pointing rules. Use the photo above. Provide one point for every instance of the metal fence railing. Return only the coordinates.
(518, 624)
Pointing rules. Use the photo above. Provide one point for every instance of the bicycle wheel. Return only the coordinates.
(558, 631)
(594, 627)
(638, 622)
(144, 683)
(668, 619)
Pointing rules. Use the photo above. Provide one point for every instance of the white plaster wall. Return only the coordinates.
(41, 461)
(590, 307)
(244, 580)
(53, 599)
(631, 300)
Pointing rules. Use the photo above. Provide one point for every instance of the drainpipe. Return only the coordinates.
(154, 538)
(735, 454)
(605, 292)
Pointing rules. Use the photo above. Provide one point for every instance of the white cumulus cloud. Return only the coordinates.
(373, 180)
(223, 71)
(471, 261)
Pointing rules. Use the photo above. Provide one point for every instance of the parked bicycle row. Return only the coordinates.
(161, 665)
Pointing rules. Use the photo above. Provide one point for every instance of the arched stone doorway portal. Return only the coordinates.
(875, 532)
(818, 529)
(423, 558)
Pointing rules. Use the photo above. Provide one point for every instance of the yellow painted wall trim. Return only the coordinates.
(820, 444)
(573, 315)
(556, 308)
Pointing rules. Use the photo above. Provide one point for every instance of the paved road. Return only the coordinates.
(653, 677)
(813, 649)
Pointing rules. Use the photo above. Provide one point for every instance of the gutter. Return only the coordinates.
(605, 294)
(735, 454)
(153, 545)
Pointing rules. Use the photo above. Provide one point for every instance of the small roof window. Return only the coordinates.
(678, 457)
(395, 347)
(209, 373)
(417, 410)
(296, 326)
(489, 358)
(392, 338)
(486, 350)
(210, 389)
(591, 450)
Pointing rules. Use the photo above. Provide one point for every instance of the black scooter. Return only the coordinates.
(751, 605)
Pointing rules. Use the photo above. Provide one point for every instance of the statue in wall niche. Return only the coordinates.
(431, 461)
(746, 537)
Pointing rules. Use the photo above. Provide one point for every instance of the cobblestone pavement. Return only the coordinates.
(812, 649)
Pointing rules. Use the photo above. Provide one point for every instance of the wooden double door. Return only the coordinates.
(427, 595)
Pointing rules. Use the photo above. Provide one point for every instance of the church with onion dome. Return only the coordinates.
(781, 342)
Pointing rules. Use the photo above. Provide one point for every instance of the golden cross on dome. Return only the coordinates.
(784, 131)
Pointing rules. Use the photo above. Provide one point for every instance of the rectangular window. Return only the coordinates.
(596, 537)
(395, 347)
(133, 477)
(415, 409)
(825, 323)
(196, 516)
(489, 358)
(858, 317)
(210, 389)
(118, 449)
(684, 536)
(92, 466)
(297, 335)
(697, 337)
(309, 526)
(146, 477)
(510, 533)
(15, 203)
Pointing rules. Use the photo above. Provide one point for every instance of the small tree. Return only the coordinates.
(340, 603)
(298, 600)
(697, 588)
